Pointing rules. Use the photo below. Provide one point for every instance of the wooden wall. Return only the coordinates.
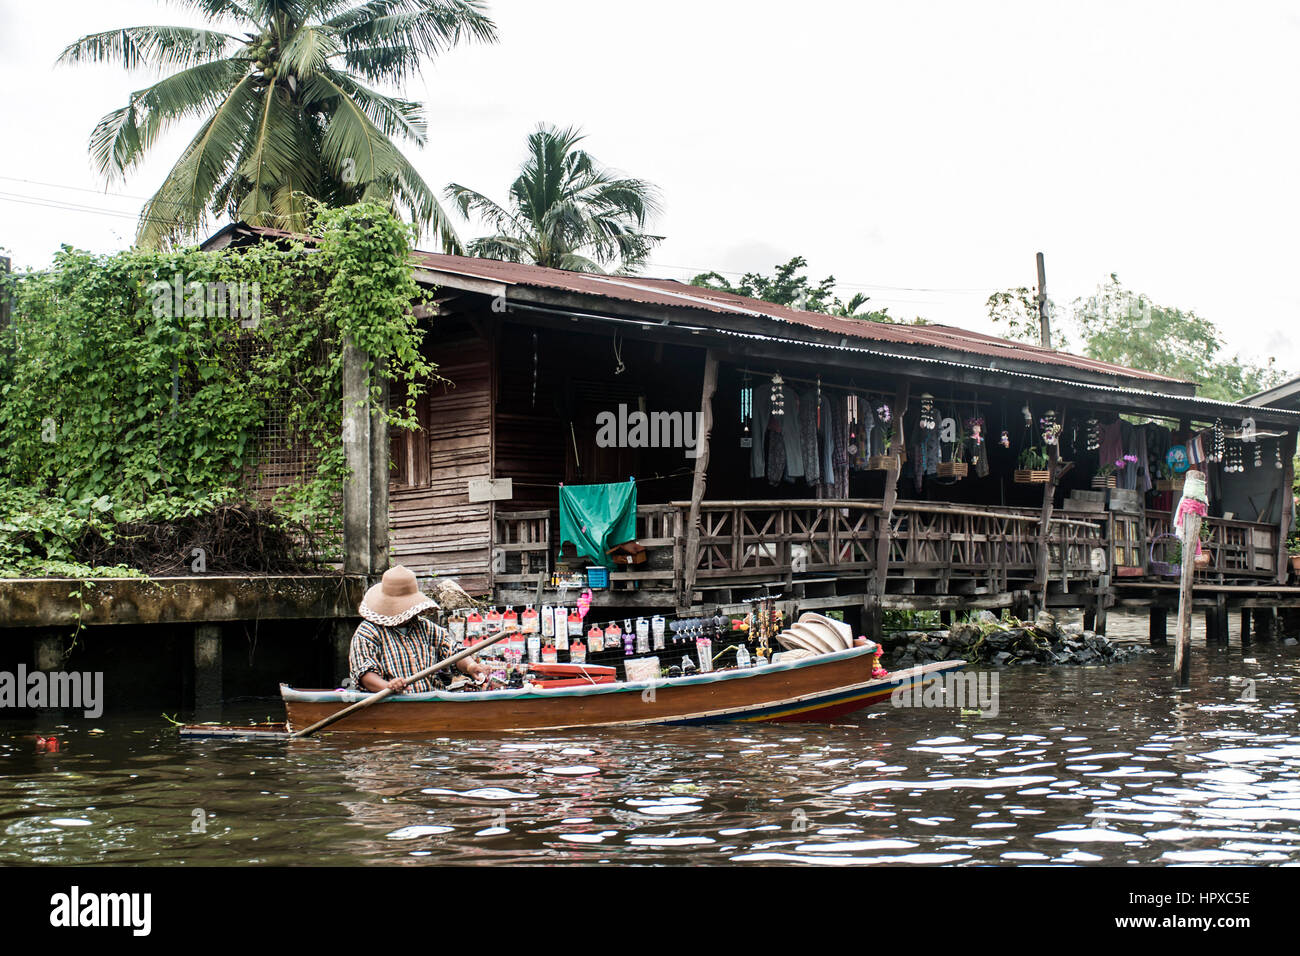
(435, 529)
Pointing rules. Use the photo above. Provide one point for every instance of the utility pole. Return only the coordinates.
(1044, 320)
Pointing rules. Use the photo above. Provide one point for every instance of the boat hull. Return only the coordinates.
(816, 689)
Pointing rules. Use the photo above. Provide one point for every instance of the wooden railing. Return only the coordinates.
(759, 541)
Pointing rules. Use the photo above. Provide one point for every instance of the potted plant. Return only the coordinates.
(1104, 478)
(892, 459)
(1293, 550)
(1167, 479)
(957, 467)
(1033, 466)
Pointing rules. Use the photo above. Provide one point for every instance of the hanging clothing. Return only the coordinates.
(594, 518)
(793, 434)
(774, 463)
(758, 453)
(1112, 443)
(1143, 463)
(812, 469)
(840, 457)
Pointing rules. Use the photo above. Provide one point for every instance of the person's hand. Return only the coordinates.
(397, 685)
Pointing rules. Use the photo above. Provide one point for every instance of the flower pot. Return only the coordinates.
(883, 463)
(1202, 560)
(1103, 481)
(953, 469)
(1170, 484)
(1295, 561)
(1031, 476)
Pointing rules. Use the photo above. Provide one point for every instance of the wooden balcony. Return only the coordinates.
(934, 547)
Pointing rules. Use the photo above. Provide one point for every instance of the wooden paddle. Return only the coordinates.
(388, 691)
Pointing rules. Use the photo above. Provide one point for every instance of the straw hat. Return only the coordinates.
(837, 633)
(395, 599)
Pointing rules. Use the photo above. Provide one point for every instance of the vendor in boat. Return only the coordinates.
(393, 641)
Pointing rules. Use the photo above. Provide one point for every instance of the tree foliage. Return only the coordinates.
(138, 383)
(565, 210)
(1118, 325)
(789, 286)
(288, 105)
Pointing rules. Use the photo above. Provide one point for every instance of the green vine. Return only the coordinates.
(139, 386)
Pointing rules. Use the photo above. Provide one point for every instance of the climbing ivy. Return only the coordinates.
(140, 383)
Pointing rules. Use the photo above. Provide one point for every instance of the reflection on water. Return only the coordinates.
(1080, 765)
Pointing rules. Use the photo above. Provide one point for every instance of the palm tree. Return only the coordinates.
(288, 115)
(565, 210)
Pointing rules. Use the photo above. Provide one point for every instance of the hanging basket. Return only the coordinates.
(883, 463)
(953, 469)
(1103, 481)
(1170, 484)
(1031, 476)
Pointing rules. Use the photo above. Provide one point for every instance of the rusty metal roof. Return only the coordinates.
(669, 293)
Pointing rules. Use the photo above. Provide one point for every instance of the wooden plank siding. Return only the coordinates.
(435, 528)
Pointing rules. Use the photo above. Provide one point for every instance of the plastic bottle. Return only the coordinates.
(742, 656)
(704, 648)
(534, 648)
(562, 629)
(658, 626)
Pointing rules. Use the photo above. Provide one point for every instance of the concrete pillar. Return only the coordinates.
(342, 643)
(366, 452)
(48, 652)
(1159, 627)
(207, 668)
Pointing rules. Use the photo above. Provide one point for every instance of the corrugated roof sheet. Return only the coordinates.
(673, 294)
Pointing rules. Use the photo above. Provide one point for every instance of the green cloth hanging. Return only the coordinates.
(594, 518)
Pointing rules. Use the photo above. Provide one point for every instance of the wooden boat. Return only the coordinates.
(820, 688)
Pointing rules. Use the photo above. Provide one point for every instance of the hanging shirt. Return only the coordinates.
(793, 434)
(758, 452)
(812, 469)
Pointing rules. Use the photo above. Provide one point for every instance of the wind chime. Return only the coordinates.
(1220, 442)
(1259, 455)
(746, 412)
(778, 396)
(1233, 462)
(852, 408)
(928, 420)
(1094, 435)
(1277, 449)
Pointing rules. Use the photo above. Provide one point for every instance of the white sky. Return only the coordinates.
(920, 152)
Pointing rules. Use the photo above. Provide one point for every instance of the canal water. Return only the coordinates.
(1085, 766)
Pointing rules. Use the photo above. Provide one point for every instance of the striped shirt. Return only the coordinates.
(399, 652)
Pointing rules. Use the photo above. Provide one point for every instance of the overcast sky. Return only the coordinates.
(920, 152)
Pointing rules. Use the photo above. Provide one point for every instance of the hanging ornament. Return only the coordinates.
(1277, 448)
(1259, 455)
(1219, 441)
(851, 404)
(928, 420)
(1005, 440)
(1029, 416)
(1051, 428)
(1232, 462)
(1094, 435)
(746, 412)
(535, 370)
(975, 426)
(778, 396)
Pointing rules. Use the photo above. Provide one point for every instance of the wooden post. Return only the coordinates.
(686, 597)
(883, 533)
(1287, 444)
(1264, 623)
(1159, 627)
(1045, 519)
(366, 453)
(1103, 602)
(1245, 626)
(1221, 618)
(1044, 319)
(1183, 635)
